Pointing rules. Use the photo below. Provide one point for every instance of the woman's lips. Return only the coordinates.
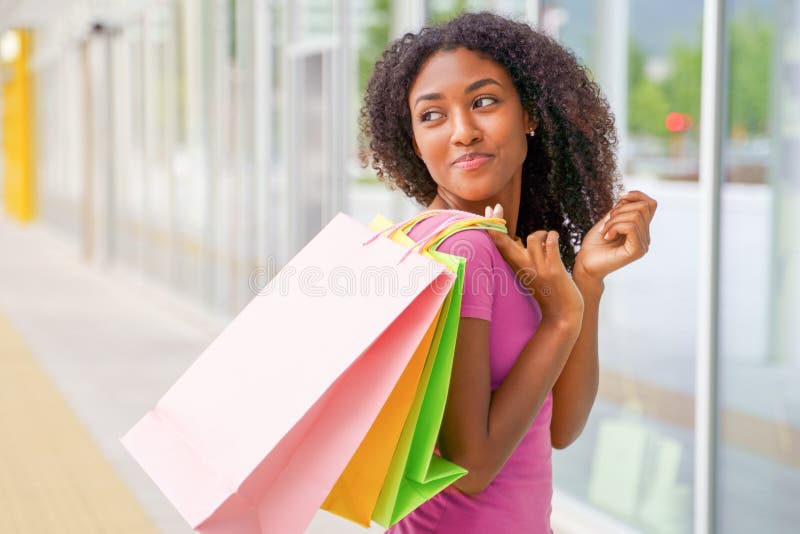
(472, 163)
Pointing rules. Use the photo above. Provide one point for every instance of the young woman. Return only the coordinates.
(486, 116)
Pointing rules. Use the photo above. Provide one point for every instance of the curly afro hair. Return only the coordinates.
(569, 177)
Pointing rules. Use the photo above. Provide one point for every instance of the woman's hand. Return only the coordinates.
(619, 238)
(540, 269)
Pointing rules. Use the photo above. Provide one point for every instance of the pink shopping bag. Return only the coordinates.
(253, 436)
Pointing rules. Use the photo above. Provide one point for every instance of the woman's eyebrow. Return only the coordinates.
(468, 89)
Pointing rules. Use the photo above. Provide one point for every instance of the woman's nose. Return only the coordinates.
(465, 132)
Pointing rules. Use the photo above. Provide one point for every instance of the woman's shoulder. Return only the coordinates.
(474, 244)
(436, 222)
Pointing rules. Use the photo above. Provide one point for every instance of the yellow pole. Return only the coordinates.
(17, 172)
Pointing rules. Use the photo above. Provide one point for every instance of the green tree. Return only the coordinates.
(650, 101)
(647, 102)
(682, 87)
(635, 63)
(750, 51)
(376, 37)
(751, 44)
(438, 14)
(647, 108)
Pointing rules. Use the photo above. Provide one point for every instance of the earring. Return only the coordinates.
(532, 132)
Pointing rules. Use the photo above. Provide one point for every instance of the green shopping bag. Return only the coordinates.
(416, 473)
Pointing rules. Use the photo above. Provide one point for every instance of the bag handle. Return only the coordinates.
(448, 227)
(406, 225)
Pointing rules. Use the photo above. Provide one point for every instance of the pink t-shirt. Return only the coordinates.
(518, 499)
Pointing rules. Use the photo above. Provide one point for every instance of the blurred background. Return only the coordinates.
(156, 153)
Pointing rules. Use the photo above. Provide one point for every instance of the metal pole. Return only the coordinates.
(706, 375)
(532, 10)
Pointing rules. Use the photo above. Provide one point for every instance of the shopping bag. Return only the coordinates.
(253, 436)
(417, 473)
(356, 492)
(359, 487)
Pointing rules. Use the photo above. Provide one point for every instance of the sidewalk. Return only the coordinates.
(109, 353)
(111, 345)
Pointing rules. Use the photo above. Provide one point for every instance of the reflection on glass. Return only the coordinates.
(309, 179)
(634, 461)
(443, 10)
(371, 22)
(160, 117)
(315, 18)
(759, 448)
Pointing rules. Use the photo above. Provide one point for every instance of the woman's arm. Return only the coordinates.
(619, 238)
(576, 388)
(481, 428)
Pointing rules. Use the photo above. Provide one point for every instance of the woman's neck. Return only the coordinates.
(509, 198)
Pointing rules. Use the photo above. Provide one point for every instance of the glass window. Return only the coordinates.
(129, 160)
(443, 10)
(372, 26)
(315, 18)
(634, 460)
(759, 286)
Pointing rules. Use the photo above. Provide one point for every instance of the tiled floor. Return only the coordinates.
(53, 478)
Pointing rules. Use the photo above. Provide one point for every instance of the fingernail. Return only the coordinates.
(606, 236)
(605, 220)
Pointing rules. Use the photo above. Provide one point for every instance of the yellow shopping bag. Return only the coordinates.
(356, 492)
(361, 493)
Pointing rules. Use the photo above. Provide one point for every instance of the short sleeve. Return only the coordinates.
(478, 249)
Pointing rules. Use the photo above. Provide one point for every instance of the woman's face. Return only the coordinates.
(462, 103)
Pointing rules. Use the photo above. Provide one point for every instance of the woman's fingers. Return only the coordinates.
(500, 239)
(535, 244)
(627, 228)
(496, 211)
(508, 248)
(552, 252)
(642, 208)
(633, 235)
(633, 196)
(635, 217)
(534, 253)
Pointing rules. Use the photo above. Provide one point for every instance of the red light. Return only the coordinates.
(676, 122)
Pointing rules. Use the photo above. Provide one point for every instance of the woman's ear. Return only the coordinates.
(530, 122)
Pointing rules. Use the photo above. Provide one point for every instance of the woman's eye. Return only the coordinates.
(433, 115)
(427, 116)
